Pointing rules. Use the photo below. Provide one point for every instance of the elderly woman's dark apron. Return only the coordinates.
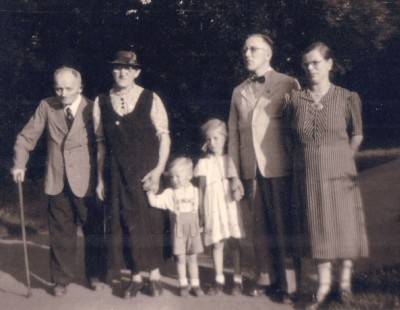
(132, 151)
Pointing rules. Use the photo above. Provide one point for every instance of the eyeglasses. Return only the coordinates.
(252, 49)
(314, 63)
(121, 67)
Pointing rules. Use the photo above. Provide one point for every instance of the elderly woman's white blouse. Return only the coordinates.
(124, 103)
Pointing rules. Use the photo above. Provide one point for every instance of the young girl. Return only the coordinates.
(182, 200)
(222, 219)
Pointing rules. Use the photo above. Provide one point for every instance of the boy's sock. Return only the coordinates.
(220, 279)
(155, 275)
(237, 278)
(137, 278)
(183, 282)
(195, 282)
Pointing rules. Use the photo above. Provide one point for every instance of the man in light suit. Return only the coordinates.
(257, 147)
(70, 177)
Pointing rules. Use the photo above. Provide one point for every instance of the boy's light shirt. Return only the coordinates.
(180, 200)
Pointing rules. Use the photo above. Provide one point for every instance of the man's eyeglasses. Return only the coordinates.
(314, 64)
(252, 49)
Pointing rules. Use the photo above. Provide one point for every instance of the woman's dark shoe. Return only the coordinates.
(155, 288)
(215, 289)
(346, 296)
(184, 291)
(132, 289)
(319, 299)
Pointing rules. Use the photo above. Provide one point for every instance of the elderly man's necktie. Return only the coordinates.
(69, 118)
(259, 79)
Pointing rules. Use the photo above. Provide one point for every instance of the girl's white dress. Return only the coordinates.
(222, 216)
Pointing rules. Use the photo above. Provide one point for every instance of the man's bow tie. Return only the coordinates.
(259, 79)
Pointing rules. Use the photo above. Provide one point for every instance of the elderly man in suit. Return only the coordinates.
(70, 177)
(257, 147)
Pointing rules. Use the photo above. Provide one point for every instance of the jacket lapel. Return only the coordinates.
(270, 87)
(79, 119)
(246, 92)
(59, 117)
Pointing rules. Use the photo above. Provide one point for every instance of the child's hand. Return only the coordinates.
(237, 188)
(237, 195)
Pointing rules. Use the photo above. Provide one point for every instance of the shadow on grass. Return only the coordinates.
(14, 229)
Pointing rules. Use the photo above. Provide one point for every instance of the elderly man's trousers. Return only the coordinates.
(66, 212)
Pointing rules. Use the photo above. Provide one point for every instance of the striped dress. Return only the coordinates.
(327, 213)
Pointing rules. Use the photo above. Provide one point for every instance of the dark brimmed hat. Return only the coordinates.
(125, 58)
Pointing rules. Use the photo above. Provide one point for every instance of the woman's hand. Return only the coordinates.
(151, 181)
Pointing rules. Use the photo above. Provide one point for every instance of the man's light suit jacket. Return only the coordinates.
(70, 154)
(256, 136)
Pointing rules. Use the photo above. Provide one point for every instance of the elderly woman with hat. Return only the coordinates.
(131, 127)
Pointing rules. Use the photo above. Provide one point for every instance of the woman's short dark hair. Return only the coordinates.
(324, 49)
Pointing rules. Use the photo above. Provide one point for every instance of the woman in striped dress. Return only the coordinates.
(326, 129)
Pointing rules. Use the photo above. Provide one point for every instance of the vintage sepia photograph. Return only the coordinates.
(209, 154)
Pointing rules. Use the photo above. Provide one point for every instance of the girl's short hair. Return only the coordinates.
(184, 163)
(214, 124)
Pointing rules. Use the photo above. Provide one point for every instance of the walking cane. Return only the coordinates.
(21, 208)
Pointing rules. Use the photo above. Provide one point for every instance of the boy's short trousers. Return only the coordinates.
(186, 238)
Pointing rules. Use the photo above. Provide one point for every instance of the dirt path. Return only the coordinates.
(13, 290)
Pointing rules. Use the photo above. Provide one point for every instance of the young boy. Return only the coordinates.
(182, 200)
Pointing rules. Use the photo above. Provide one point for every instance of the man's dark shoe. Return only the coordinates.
(278, 295)
(215, 289)
(155, 288)
(96, 285)
(132, 289)
(59, 290)
(257, 290)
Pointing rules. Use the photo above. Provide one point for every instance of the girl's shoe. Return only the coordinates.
(196, 291)
(237, 289)
(184, 291)
(215, 289)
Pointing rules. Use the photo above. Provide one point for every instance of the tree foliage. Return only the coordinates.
(190, 49)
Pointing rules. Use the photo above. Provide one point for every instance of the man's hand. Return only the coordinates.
(151, 180)
(237, 189)
(18, 174)
(100, 190)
